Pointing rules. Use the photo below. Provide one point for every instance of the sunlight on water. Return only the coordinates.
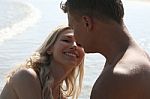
(16, 18)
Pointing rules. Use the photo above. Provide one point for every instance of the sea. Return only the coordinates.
(24, 24)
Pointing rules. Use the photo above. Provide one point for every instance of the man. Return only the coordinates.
(99, 27)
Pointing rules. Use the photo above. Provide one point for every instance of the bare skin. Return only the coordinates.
(26, 88)
(126, 74)
(128, 79)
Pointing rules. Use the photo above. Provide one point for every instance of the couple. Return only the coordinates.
(99, 28)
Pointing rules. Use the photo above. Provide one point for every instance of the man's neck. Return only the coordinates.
(114, 42)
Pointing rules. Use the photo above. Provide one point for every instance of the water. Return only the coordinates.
(25, 24)
(15, 18)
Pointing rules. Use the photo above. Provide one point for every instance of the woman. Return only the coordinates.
(52, 72)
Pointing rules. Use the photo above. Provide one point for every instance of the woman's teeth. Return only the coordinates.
(71, 54)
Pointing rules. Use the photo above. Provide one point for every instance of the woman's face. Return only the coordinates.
(66, 52)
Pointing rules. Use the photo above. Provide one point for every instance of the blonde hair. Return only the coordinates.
(40, 60)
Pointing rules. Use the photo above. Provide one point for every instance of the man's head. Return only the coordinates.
(100, 9)
(83, 16)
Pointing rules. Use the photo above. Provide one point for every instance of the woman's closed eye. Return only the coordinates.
(65, 40)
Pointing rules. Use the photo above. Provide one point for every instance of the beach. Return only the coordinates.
(25, 24)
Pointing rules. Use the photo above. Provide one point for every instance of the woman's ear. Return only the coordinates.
(49, 51)
(87, 21)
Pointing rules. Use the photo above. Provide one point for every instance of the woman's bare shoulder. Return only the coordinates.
(25, 77)
(25, 82)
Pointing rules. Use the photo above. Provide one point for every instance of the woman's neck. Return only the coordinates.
(59, 73)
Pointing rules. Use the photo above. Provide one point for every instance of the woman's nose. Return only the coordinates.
(74, 45)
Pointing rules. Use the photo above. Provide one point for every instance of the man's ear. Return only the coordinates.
(88, 22)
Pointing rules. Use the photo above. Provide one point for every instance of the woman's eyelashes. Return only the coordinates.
(66, 40)
(69, 40)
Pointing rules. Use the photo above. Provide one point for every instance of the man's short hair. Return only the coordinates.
(101, 9)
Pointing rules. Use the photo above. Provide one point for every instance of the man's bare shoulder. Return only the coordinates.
(125, 81)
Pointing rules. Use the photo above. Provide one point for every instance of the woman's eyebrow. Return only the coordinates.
(68, 36)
